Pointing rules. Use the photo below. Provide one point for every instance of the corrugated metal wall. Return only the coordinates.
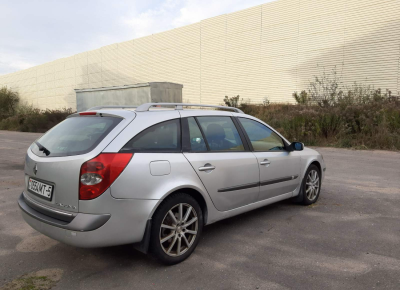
(269, 51)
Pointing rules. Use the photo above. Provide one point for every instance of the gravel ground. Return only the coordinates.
(350, 239)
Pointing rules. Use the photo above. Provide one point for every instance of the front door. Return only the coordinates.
(216, 151)
(279, 169)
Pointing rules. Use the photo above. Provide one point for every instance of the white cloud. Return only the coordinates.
(195, 11)
(175, 13)
(13, 62)
(146, 23)
(18, 65)
(39, 32)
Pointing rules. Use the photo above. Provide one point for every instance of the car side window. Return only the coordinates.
(162, 137)
(221, 134)
(197, 142)
(261, 137)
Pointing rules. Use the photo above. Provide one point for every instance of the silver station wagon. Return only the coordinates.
(154, 175)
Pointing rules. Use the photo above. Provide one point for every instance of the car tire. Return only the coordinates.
(176, 228)
(311, 186)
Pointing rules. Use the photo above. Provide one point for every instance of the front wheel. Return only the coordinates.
(311, 186)
(176, 229)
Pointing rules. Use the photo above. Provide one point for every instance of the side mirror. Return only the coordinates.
(296, 146)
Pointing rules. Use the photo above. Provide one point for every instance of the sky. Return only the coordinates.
(33, 32)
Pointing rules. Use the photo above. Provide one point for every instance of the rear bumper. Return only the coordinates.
(79, 222)
(125, 223)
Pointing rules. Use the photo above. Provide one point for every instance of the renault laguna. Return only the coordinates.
(154, 175)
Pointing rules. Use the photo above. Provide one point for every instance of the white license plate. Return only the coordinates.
(40, 188)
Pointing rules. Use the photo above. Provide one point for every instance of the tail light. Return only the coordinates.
(100, 172)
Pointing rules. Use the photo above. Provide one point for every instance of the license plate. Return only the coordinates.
(42, 189)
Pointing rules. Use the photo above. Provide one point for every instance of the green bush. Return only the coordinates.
(8, 102)
(301, 98)
(233, 101)
(329, 113)
(30, 119)
(375, 125)
(328, 90)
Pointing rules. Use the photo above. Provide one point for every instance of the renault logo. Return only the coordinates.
(35, 169)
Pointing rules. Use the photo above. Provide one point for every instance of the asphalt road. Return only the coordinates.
(350, 239)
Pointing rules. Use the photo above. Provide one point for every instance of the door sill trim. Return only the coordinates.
(278, 180)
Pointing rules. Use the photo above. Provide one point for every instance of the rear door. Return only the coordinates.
(279, 169)
(220, 157)
(53, 162)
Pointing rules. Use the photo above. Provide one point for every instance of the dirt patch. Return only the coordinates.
(35, 244)
(40, 280)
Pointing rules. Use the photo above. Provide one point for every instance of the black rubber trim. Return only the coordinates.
(143, 246)
(239, 187)
(186, 146)
(250, 146)
(38, 215)
(57, 214)
(278, 180)
(81, 222)
(245, 141)
(255, 184)
(202, 133)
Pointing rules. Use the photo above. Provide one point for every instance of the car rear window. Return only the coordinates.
(74, 136)
(163, 137)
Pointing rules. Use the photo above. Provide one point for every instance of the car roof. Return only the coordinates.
(130, 111)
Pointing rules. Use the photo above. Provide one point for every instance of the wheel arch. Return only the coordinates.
(316, 163)
(312, 162)
(196, 194)
(143, 246)
(298, 196)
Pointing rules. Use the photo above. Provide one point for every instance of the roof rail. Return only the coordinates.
(179, 106)
(111, 107)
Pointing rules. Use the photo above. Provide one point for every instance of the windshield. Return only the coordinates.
(74, 136)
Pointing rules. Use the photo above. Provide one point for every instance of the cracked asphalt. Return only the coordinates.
(350, 239)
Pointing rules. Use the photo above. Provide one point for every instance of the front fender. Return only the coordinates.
(309, 156)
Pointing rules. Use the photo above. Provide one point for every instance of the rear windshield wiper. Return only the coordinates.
(42, 148)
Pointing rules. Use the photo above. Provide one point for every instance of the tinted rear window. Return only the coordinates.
(162, 137)
(75, 136)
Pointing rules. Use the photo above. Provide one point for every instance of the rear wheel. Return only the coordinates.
(176, 228)
(311, 186)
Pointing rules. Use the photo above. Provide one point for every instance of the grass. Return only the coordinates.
(30, 283)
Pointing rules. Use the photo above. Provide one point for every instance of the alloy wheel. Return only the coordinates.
(178, 229)
(312, 185)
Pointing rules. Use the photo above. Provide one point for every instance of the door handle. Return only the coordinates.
(265, 162)
(207, 167)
